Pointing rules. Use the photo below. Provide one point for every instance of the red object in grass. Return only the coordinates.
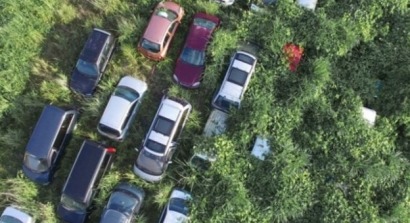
(111, 150)
(294, 54)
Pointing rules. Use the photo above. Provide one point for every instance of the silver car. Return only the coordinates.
(121, 108)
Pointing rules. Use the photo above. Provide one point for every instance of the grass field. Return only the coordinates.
(327, 165)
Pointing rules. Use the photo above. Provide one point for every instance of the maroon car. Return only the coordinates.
(190, 65)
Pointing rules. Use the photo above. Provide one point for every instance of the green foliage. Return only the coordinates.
(326, 165)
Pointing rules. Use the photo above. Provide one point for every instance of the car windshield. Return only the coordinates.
(150, 46)
(204, 23)
(150, 163)
(237, 76)
(225, 104)
(166, 13)
(35, 164)
(244, 58)
(164, 125)
(89, 69)
(155, 146)
(194, 57)
(9, 219)
(200, 163)
(109, 130)
(71, 204)
(122, 202)
(178, 205)
(127, 93)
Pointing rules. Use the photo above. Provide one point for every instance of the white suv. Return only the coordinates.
(11, 214)
(161, 140)
(235, 82)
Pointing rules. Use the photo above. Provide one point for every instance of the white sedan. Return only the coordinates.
(176, 210)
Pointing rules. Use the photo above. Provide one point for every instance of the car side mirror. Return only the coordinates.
(169, 162)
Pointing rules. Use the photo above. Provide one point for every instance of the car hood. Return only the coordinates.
(71, 216)
(175, 217)
(110, 216)
(188, 74)
(81, 83)
(43, 178)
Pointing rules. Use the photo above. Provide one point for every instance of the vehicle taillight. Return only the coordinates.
(111, 150)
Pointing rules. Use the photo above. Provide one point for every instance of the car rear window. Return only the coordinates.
(9, 219)
(166, 13)
(192, 56)
(204, 23)
(127, 93)
(244, 58)
(155, 146)
(237, 76)
(179, 205)
(163, 125)
(150, 46)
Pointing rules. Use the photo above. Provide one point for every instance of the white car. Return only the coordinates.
(260, 148)
(161, 140)
(240, 71)
(176, 210)
(14, 215)
(225, 2)
(121, 108)
(309, 4)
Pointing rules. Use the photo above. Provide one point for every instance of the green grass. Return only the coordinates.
(326, 164)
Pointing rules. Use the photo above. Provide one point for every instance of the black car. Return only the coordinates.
(47, 143)
(124, 203)
(92, 62)
(81, 186)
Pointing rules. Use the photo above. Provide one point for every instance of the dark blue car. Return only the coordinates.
(92, 62)
(47, 143)
(124, 203)
(80, 188)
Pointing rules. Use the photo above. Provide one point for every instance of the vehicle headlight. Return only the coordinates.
(196, 84)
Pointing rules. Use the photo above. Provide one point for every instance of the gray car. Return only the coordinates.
(124, 203)
(121, 108)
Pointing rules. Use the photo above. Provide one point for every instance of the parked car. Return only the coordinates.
(14, 215)
(91, 164)
(190, 64)
(177, 209)
(124, 203)
(260, 5)
(161, 28)
(215, 125)
(309, 4)
(369, 116)
(47, 143)
(93, 61)
(121, 108)
(261, 148)
(235, 82)
(161, 140)
(225, 2)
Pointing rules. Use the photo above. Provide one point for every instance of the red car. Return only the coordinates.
(190, 65)
(161, 28)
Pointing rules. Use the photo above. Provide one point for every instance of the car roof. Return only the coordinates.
(84, 171)
(157, 29)
(16, 213)
(45, 131)
(216, 123)
(94, 45)
(261, 148)
(198, 37)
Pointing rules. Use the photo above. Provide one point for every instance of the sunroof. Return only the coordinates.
(163, 125)
(237, 76)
